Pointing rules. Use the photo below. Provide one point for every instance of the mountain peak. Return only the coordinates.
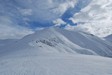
(57, 40)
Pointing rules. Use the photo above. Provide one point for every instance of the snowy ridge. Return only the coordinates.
(56, 51)
(109, 38)
(56, 40)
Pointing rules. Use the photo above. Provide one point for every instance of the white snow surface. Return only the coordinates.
(56, 65)
(56, 51)
(96, 18)
(109, 38)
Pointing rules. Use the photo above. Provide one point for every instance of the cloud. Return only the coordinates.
(59, 22)
(95, 18)
(25, 12)
(8, 30)
(18, 16)
(42, 11)
(69, 27)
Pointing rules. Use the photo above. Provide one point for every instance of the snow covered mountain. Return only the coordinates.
(109, 38)
(56, 40)
(7, 42)
(96, 18)
(55, 51)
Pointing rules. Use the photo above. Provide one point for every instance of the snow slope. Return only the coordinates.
(96, 18)
(56, 65)
(7, 41)
(55, 51)
(109, 38)
(56, 40)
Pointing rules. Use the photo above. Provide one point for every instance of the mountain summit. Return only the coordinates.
(57, 40)
(55, 51)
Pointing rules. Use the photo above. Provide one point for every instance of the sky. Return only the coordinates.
(22, 17)
(95, 18)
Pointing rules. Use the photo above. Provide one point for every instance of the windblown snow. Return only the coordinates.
(55, 51)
